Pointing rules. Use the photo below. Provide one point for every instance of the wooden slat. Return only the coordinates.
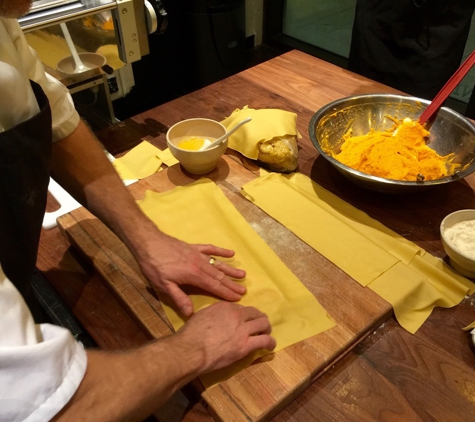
(103, 317)
(354, 392)
(438, 387)
(89, 235)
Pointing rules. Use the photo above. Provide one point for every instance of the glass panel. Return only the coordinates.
(93, 33)
(464, 89)
(327, 24)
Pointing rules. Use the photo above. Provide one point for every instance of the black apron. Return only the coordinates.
(25, 152)
(411, 45)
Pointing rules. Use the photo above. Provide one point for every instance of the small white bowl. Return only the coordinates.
(197, 162)
(458, 260)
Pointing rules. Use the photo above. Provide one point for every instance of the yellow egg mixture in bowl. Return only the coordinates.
(375, 141)
(186, 139)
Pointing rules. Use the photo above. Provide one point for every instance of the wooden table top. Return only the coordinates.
(391, 374)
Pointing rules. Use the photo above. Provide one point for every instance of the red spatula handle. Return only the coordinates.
(448, 88)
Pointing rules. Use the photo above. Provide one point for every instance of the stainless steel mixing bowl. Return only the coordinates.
(450, 132)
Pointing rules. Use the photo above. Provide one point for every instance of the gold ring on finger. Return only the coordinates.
(212, 261)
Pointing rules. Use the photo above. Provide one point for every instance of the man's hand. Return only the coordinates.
(224, 333)
(171, 263)
(132, 384)
(79, 165)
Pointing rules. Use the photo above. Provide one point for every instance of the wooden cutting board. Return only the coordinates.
(263, 389)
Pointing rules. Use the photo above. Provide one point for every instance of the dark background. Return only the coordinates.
(204, 42)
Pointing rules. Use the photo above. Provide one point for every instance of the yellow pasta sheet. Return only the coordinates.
(413, 281)
(167, 157)
(201, 213)
(266, 124)
(140, 162)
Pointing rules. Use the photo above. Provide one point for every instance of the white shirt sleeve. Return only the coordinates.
(41, 366)
(64, 114)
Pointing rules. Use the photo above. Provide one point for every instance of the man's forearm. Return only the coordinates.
(80, 165)
(130, 386)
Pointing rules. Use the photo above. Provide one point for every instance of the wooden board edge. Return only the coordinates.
(71, 228)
